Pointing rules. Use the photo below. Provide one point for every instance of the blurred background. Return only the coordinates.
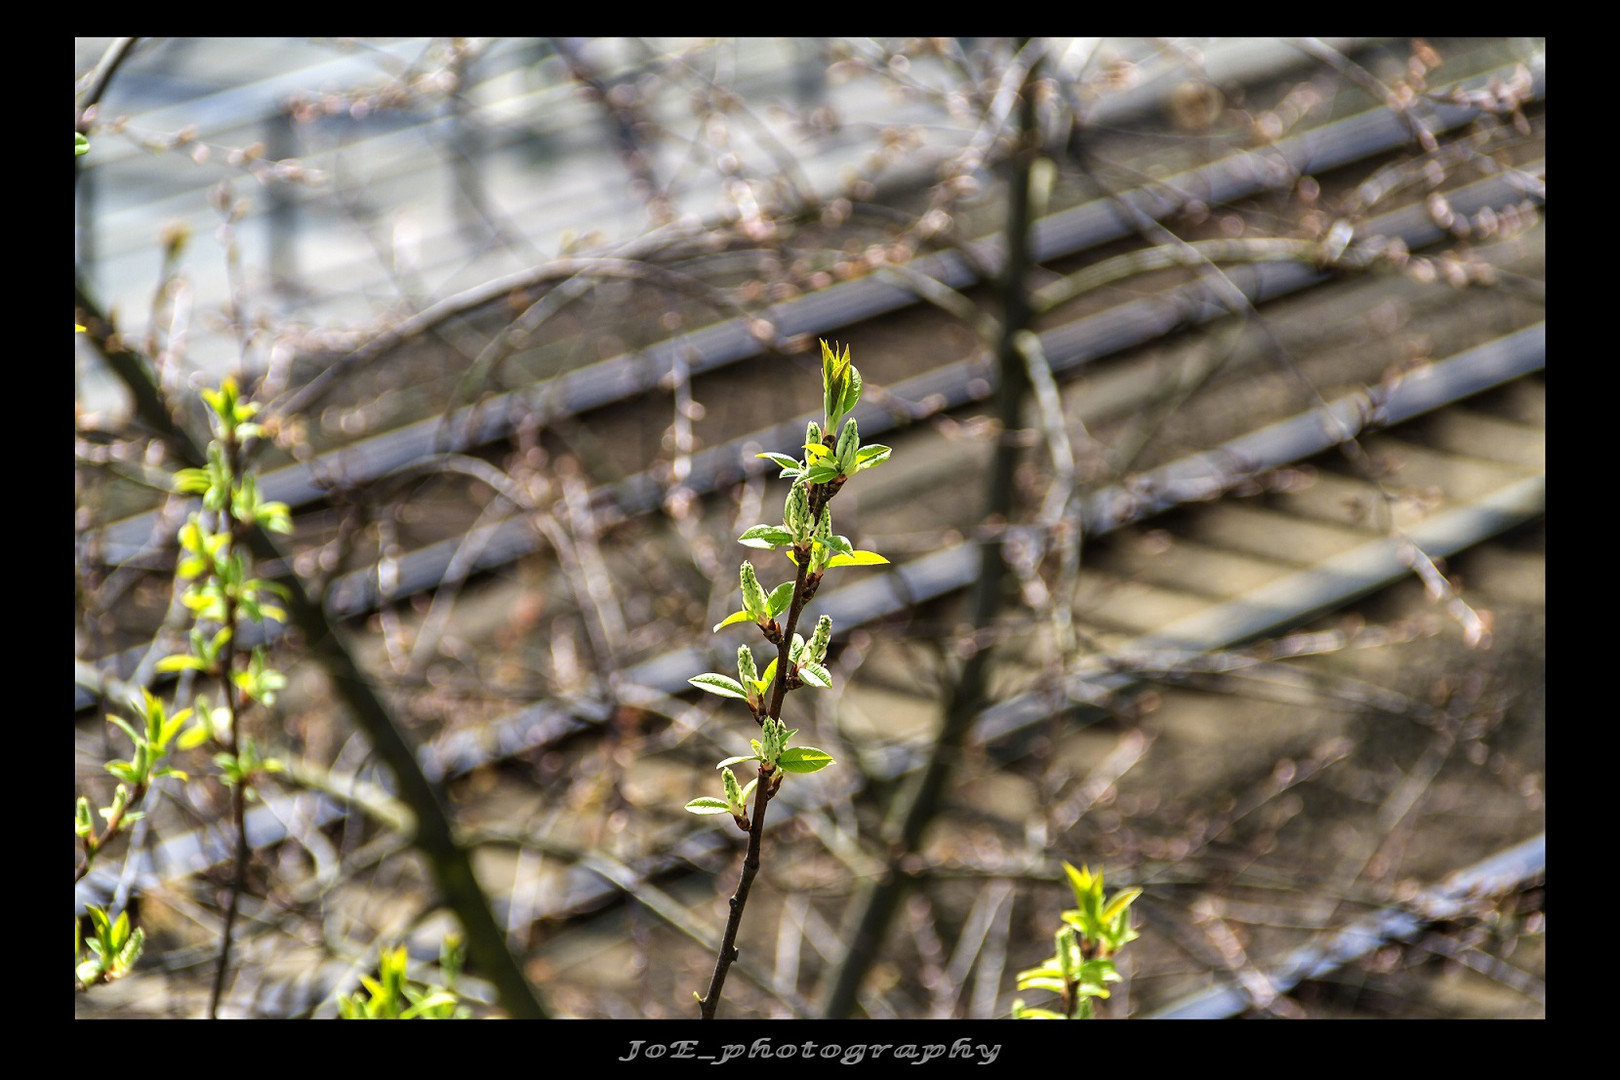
(1213, 370)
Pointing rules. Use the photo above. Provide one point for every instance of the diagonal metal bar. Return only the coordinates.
(1507, 871)
(952, 385)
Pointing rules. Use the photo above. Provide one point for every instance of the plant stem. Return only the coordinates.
(233, 738)
(762, 793)
(739, 899)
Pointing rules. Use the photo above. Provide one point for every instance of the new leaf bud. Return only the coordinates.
(820, 552)
(817, 652)
(775, 739)
(747, 674)
(753, 594)
(848, 443)
(796, 513)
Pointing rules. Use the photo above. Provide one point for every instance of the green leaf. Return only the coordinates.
(803, 759)
(857, 558)
(788, 464)
(734, 617)
(780, 598)
(834, 380)
(722, 685)
(195, 735)
(871, 456)
(1021, 1012)
(852, 391)
(766, 537)
(821, 474)
(815, 675)
(1119, 903)
(191, 481)
(113, 718)
(738, 760)
(1080, 882)
(708, 806)
(181, 663)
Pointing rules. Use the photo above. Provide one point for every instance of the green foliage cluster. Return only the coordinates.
(393, 995)
(1082, 966)
(832, 454)
(219, 591)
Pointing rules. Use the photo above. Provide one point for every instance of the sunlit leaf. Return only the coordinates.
(857, 558)
(783, 460)
(815, 675)
(803, 759)
(780, 598)
(722, 685)
(765, 537)
(734, 617)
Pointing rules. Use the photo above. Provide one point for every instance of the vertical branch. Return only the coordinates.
(233, 741)
(831, 457)
(769, 780)
(739, 899)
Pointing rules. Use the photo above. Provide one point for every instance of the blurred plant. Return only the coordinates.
(832, 454)
(113, 950)
(1082, 965)
(393, 995)
(221, 594)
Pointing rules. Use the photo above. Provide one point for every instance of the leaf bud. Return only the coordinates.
(817, 652)
(774, 741)
(747, 674)
(848, 443)
(753, 594)
(796, 513)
